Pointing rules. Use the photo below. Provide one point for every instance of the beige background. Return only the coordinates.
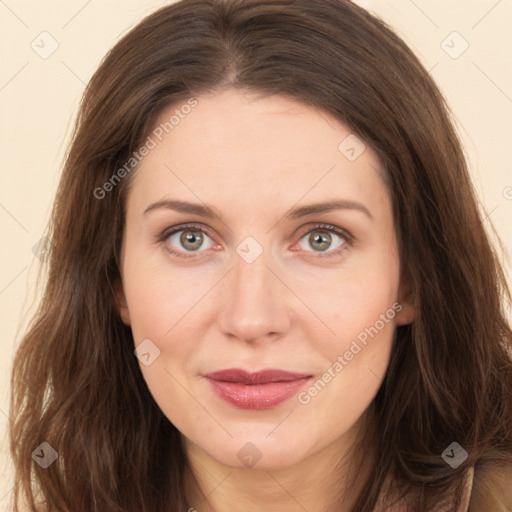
(39, 97)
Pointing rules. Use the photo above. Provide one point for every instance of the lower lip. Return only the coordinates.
(257, 396)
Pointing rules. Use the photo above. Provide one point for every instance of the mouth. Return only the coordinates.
(256, 390)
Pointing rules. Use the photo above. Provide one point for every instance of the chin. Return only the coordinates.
(256, 451)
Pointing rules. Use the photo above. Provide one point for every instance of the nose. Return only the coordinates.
(255, 304)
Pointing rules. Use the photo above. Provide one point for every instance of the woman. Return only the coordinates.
(269, 285)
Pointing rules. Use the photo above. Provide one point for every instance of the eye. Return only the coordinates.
(187, 238)
(322, 237)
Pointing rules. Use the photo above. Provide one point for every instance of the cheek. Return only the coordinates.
(166, 308)
(173, 309)
(160, 297)
(358, 303)
(362, 312)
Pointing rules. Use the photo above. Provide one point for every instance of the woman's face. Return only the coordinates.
(271, 280)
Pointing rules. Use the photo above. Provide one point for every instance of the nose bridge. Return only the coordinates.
(254, 302)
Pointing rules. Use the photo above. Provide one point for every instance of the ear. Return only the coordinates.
(406, 297)
(121, 305)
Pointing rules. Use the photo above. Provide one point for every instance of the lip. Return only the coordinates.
(256, 390)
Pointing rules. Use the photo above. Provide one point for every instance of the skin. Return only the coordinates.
(253, 159)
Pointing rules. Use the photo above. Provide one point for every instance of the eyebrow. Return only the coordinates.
(303, 211)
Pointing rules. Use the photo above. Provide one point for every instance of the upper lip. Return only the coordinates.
(258, 377)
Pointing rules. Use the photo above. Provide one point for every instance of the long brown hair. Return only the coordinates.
(76, 384)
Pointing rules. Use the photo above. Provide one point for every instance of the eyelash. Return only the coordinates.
(349, 240)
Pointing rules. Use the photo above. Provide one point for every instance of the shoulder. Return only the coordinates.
(492, 489)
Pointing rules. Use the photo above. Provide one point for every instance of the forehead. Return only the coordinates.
(264, 149)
